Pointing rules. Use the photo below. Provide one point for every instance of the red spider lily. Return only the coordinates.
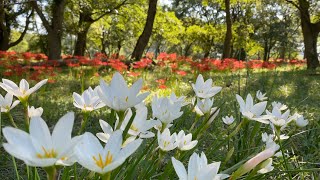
(181, 73)
(41, 56)
(142, 63)
(28, 55)
(117, 65)
(51, 81)
(161, 81)
(134, 74)
(162, 86)
(149, 55)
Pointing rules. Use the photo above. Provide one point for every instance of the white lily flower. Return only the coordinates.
(270, 151)
(252, 111)
(279, 119)
(180, 99)
(185, 142)
(279, 105)
(204, 89)
(269, 138)
(203, 106)
(165, 110)
(35, 112)
(40, 148)
(266, 166)
(228, 120)
(166, 141)
(6, 103)
(300, 121)
(261, 96)
(107, 131)
(140, 124)
(93, 156)
(23, 91)
(213, 114)
(118, 96)
(88, 101)
(198, 169)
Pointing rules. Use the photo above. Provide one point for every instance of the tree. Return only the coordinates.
(53, 26)
(91, 11)
(9, 19)
(227, 40)
(147, 31)
(310, 32)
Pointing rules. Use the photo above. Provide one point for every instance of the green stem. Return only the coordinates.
(15, 167)
(121, 115)
(194, 123)
(11, 119)
(84, 121)
(234, 132)
(75, 171)
(125, 132)
(278, 132)
(106, 176)
(26, 116)
(51, 173)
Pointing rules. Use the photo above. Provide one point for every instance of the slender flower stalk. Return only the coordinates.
(85, 115)
(278, 134)
(11, 120)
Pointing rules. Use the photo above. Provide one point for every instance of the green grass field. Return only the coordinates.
(296, 88)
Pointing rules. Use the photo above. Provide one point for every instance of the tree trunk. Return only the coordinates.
(265, 50)
(145, 36)
(310, 33)
(54, 29)
(80, 46)
(310, 44)
(227, 40)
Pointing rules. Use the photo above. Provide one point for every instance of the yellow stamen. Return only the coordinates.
(99, 162)
(127, 99)
(47, 154)
(134, 128)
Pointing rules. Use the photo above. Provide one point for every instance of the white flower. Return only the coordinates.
(22, 92)
(185, 141)
(203, 106)
(93, 156)
(204, 89)
(279, 119)
(279, 105)
(40, 148)
(266, 166)
(270, 151)
(107, 131)
(140, 124)
(269, 138)
(180, 99)
(166, 141)
(165, 110)
(34, 112)
(300, 121)
(88, 101)
(118, 96)
(198, 169)
(213, 114)
(252, 111)
(6, 103)
(261, 96)
(228, 120)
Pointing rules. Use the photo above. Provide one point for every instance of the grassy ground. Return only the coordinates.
(295, 88)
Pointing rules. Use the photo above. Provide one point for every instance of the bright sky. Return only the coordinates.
(165, 2)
